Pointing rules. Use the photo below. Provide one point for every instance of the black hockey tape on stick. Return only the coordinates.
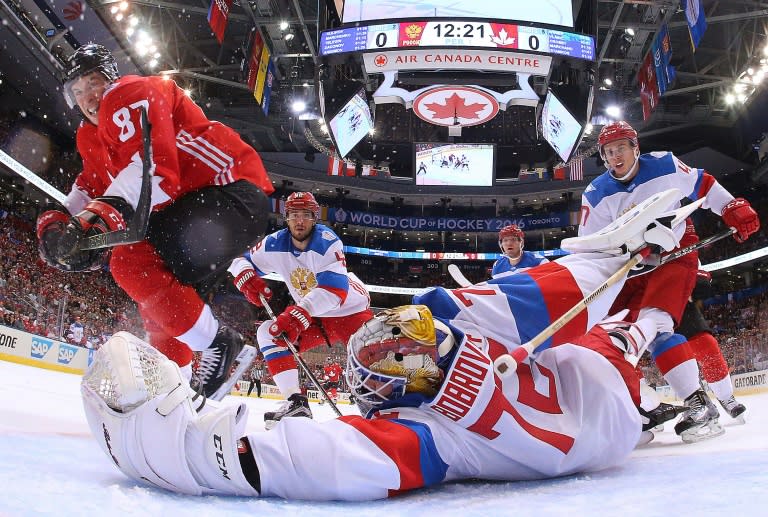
(137, 227)
(701, 244)
(299, 359)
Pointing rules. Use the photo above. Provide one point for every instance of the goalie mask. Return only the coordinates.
(396, 353)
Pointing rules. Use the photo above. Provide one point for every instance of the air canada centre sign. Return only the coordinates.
(457, 59)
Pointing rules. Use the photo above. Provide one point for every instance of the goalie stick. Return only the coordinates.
(458, 276)
(299, 359)
(136, 229)
(506, 364)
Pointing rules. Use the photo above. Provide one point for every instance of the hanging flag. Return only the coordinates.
(577, 170)
(338, 167)
(218, 14)
(649, 87)
(662, 57)
(254, 57)
(261, 75)
(697, 22)
(559, 173)
(268, 87)
(335, 166)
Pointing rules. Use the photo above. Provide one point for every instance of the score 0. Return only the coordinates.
(383, 36)
(531, 38)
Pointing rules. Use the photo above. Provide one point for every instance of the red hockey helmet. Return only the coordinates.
(302, 201)
(616, 131)
(511, 230)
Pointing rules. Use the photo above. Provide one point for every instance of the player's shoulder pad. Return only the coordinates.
(601, 187)
(322, 239)
(278, 241)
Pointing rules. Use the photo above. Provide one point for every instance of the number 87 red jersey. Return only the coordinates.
(190, 151)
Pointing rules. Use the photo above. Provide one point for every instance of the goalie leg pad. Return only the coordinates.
(142, 413)
(146, 445)
(212, 451)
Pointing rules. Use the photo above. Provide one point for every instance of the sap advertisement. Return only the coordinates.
(450, 224)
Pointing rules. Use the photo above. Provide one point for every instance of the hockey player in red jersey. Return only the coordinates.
(208, 201)
(331, 377)
(434, 410)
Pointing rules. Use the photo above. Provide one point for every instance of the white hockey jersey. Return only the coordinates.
(607, 198)
(316, 277)
(569, 411)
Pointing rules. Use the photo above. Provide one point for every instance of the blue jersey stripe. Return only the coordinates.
(333, 280)
(433, 468)
(527, 304)
(439, 302)
(669, 343)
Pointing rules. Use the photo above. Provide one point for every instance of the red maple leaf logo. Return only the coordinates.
(455, 107)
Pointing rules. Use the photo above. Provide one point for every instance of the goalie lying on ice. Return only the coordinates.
(433, 409)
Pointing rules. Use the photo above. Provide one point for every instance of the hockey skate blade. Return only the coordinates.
(627, 227)
(701, 433)
(244, 360)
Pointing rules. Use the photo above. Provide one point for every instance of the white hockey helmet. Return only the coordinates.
(396, 353)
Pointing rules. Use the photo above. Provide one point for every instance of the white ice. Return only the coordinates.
(50, 465)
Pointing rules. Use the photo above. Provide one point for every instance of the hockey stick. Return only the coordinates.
(506, 364)
(299, 359)
(701, 244)
(136, 229)
(33, 178)
(458, 276)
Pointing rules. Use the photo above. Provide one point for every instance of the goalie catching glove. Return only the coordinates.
(60, 236)
(291, 323)
(252, 286)
(740, 215)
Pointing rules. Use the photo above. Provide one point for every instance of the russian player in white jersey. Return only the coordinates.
(514, 259)
(661, 296)
(330, 302)
(433, 408)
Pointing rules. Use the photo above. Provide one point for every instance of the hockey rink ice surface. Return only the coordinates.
(50, 465)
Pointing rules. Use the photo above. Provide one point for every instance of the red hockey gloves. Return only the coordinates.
(292, 322)
(739, 214)
(60, 236)
(252, 285)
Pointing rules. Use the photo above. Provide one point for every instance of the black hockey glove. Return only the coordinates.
(60, 236)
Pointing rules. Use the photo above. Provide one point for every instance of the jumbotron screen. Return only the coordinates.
(466, 165)
(558, 127)
(551, 12)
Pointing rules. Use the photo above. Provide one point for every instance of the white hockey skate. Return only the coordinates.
(735, 409)
(700, 422)
(650, 222)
